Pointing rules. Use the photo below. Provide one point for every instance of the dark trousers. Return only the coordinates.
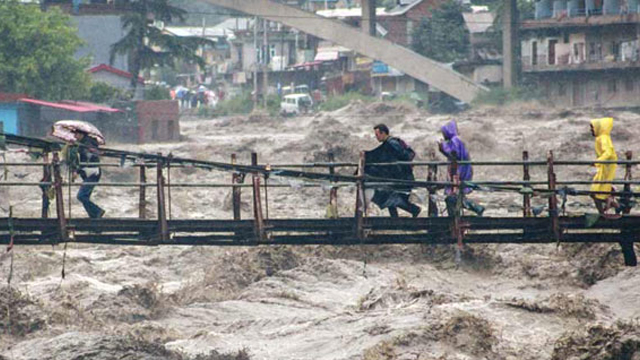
(451, 201)
(84, 196)
(405, 205)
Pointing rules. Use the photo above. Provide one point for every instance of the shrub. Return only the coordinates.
(241, 104)
(339, 101)
(156, 92)
(501, 96)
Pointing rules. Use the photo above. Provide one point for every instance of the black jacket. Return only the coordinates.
(88, 153)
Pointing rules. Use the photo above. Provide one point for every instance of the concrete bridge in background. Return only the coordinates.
(417, 66)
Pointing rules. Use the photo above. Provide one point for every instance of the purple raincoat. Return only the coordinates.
(452, 144)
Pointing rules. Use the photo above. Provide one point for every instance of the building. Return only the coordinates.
(135, 123)
(157, 121)
(484, 62)
(99, 26)
(395, 24)
(584, 52)
(117, 78)
(37, 117)
(10, 111)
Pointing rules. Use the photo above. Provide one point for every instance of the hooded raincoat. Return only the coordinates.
(453, 146)
(604, 152)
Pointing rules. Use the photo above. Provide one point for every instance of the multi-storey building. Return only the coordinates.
(584, 52)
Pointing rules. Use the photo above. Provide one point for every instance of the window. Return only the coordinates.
(534, 53)
(272, 51)
(552, 52)
(612, 86)
(628, 84)
(615, 50)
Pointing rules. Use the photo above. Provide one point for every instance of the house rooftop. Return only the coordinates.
(225, 29)
(111, 69)
(380, 11)
(75, 106)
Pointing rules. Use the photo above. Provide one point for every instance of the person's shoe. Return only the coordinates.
(101, 214)
(476, 208)
(416, 211)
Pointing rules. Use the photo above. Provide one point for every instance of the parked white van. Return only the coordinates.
(295, 104)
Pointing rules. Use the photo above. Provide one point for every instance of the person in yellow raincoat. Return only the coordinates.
(601, 130)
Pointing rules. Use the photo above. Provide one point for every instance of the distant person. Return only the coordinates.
(453, 148)
(391, 150)
(88, 154)
(602, 197)
(601, 130)
(193, 97)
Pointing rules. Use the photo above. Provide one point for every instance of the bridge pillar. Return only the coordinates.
(369, 17)
(509, 44)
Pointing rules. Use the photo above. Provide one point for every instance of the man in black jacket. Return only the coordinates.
(391, 150)
(87, 154)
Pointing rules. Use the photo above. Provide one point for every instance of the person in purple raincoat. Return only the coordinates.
(452, 148)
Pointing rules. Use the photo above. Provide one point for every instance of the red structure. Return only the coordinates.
(158, 121)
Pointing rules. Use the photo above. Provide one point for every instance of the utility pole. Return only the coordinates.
(255, 62)
(265, 61)
(509, 44)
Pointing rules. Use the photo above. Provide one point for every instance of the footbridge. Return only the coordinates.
(551, 223)
(417, 66)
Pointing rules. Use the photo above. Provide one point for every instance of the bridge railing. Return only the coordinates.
(52, 181)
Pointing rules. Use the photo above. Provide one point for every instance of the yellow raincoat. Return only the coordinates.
(604, 152)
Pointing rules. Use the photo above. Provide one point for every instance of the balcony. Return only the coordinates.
(590, 63)
(580, 13)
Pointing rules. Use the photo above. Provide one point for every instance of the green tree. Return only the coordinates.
(37, 53)
(442, 37)
(147, 46)
(104, 93)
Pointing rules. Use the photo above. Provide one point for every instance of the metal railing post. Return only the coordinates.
(432, 175)
(360, 199)
(257, 203)
(142, 200)
(236, 195)
(526, 198)
(163, 228)
(333, 193)
(456, 222)
(553, 200)
(628, 252)
(46, 177)
(62, 221)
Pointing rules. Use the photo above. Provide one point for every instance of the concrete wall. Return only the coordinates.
(619, 89)
(158, 121)
(393, 84)
(9, 118)
(119, 82)
(100, 32)
(489, 73)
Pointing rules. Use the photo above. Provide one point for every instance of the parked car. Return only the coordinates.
(295, 104)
